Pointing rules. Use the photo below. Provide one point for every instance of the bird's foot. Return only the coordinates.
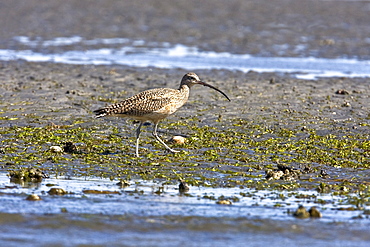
(172, 150)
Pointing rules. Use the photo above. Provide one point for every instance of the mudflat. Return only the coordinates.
(40, 94)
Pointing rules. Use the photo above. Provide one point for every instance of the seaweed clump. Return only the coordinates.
(27, 175)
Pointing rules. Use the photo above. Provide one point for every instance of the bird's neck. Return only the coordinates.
(184, 90)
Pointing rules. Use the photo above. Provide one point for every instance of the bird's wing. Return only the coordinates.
(141, 103)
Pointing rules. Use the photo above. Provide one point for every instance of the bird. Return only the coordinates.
(154, 105)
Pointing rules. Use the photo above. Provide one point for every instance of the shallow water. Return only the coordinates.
(76, 50)
(153, 214)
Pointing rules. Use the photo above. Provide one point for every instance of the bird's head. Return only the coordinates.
(190, 79)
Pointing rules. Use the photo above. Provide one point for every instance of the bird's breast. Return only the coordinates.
(170, 108)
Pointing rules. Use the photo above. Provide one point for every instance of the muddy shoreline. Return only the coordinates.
(60, 91)
(332, 29)
(264, 108)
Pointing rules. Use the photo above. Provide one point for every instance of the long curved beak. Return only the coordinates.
(218, 90)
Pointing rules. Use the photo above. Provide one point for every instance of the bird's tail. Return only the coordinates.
(101, 113)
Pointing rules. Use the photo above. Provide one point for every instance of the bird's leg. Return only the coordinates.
(137, 138)
(160, 140)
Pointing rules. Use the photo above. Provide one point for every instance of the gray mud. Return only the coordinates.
(58, 92)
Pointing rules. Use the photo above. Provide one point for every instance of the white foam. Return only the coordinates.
(163, 55)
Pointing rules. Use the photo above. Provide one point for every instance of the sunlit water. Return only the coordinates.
(153, 214)
(163, 55)
(199, 201)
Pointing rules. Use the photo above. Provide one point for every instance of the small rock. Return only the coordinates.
(307, 169)
(33, 197)
(344, 189)
(324, 174)
(27, 175)
(342, 91)
(366, 212)
(284, 168)
(301, 213)
(183, 186)
(178, 140)
(57, 191)
(224, 202)
(50, 185)
(56, 149)
(70, 147)
(123, 183)
(314, 213)
(327, 42)
(270, 175)
(283, 172)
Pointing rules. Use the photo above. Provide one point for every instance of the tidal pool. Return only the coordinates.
(98, 212)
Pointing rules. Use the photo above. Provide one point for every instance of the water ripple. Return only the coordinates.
(163, 55)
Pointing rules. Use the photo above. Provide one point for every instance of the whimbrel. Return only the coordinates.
(154, 105)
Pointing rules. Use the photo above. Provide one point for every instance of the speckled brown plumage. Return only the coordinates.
(154, 105)
(151, 105)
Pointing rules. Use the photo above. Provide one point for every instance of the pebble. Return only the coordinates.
(178, 140)
(224, 202)
(301, 213)
(57, 191)
(183, 186)
(314, 213)
(33, 197)
(56, 149)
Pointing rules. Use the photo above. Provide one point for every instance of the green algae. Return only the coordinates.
(238, 155)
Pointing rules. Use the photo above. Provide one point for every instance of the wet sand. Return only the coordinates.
(332, 29)
(58, 92)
